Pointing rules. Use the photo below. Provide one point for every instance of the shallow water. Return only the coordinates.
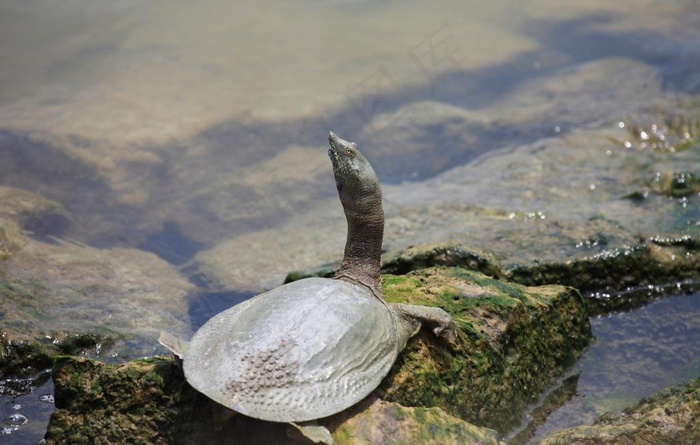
(25, 408)
(635, 354)
(197, 131)
(174, 127)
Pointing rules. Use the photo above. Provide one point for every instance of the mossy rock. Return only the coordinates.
(669, 417)
(618, 277)
(442, 254)
(513, 341)
(22, 357)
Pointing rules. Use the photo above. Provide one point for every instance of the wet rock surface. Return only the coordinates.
(668, 417)
(513, 342)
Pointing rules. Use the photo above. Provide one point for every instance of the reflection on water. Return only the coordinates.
(635, 354)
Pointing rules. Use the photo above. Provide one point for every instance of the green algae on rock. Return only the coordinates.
(25, 355)
(669, 417)
(515, 341)
(442, 254)
(98, 403)
(419, 257)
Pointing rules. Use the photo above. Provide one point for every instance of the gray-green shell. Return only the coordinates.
(299, 352)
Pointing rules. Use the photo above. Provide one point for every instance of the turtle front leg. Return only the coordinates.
(435, 318)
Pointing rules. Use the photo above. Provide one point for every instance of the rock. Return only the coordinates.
(11, 237)
(516, 341)
(623, 277)
(131, 403)
(291, 251)
(80, 287)
(426, 130)
(513, 342)
(55, 289)
(26, 356)
(376, 422)
(442, 254)
(585, 92)
(669, 417)
(675, 184)
(645, 269)
(28, 209)
(420, 257)
(628, 274)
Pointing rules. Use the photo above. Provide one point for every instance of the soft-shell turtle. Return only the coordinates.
(312, 348)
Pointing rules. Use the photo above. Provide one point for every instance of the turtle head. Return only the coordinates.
(357, 183)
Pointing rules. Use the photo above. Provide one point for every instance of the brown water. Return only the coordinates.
(197, 131)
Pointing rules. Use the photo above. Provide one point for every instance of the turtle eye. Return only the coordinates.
(351, 151)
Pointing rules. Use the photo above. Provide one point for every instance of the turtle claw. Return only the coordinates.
(446, 330)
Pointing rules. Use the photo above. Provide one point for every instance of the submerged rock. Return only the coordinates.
(568, 195)
(23, 210)
(668, 417)
(513, 341)
(61, 297)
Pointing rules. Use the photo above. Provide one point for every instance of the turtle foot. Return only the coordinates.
(437, 319)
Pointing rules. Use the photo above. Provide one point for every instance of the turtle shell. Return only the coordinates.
(298, 352)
